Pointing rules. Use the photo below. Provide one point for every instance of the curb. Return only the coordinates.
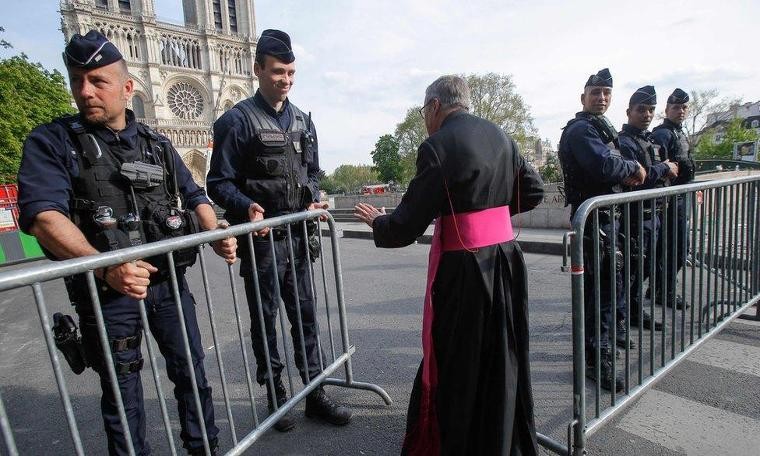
(527, 246)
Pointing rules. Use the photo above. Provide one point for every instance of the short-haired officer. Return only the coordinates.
(80, 193)
(592, 166)
(675, 147)
(636, 143)
(264, 164)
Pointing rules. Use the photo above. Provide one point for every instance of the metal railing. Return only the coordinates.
(711, 261)
(340, 352)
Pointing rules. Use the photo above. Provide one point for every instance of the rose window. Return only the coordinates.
(185, 101)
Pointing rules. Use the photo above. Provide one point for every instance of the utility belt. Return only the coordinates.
(69, 342)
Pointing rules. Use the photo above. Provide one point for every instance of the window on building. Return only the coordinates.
(102, 4)
(233, 16)
(138, 107)
(217, 4)
(125, 6)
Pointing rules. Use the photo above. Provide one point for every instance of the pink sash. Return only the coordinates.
(466, 231)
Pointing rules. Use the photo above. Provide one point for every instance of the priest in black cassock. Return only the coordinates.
(472, 394)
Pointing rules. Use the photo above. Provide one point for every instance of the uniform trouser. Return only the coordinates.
(606, 278)
(271, 289)
(122, 319)
(675, 242)
(650, 231)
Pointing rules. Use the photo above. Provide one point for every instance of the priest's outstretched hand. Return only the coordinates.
(367, 213)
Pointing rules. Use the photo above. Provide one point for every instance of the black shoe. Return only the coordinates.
(647, 324)
(605, 370)
(287, 422)
(679, 302)
(319, 405)
(200, 451)
(620, 335)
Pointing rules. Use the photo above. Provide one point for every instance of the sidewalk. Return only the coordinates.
(532, 240)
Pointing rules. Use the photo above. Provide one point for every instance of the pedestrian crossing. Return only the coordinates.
(708, 405)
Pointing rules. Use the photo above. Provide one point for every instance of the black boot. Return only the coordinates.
(213, 444)
(606, 381)
(287, 422)
(679, 303)
(620, 335)
(647, 323)
(319, 405)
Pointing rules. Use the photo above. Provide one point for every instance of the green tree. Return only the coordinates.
(551, 172)
(494, 97)
(351, 178)
(701, 104)
(4, 44)
(409, 134)
(387, 159)
(30, 95)
(734, 132)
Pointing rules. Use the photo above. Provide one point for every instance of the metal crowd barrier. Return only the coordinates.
(339, 353)
(718, 279)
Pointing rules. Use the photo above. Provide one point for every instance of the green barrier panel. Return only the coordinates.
(2, 255)
(30, 245)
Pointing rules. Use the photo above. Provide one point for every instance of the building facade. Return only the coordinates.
(748, 112)
(186, 75)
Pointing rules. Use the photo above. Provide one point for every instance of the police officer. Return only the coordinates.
(592, 166)
(636, 143)
(82, 189)
(675, 147)
(265, 164)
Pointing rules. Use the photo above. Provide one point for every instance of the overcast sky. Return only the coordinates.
(362, 64)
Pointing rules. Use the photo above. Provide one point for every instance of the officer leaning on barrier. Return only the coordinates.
(592, 166)
(675, 147)
(265, 164)
(97, 181)
(636, 143)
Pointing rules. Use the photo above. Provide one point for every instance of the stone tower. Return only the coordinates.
(185, 76)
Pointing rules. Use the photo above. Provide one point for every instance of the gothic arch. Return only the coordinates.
(196, 163)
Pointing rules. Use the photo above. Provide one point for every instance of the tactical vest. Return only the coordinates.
(645, 154)
(577, 187)
(115, 212)
(681, 154)
(277, 172)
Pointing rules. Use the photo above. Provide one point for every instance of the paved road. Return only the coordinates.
(383, 291)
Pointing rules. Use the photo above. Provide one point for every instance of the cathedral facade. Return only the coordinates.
(186, 75)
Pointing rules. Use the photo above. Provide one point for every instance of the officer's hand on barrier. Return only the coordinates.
(637, 178)
(315, 206)
(672, 168)
(131, 279)
(225, 248)
(256, 213)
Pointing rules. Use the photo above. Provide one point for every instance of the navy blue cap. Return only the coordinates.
(277, 44)
(678, 97)
(644, 95)
(603, 78)
(90, 51)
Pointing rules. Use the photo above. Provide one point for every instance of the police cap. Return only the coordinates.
(90, 51)
(678, 97)
(644, 95)
(602, 78)
(277, 44)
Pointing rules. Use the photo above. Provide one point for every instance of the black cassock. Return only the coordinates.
(483, 402)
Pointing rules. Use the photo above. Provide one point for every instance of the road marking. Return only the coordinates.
(729, 355)
(687, 426)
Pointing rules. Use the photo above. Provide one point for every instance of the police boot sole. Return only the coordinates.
(284, 424)
(330, 419)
